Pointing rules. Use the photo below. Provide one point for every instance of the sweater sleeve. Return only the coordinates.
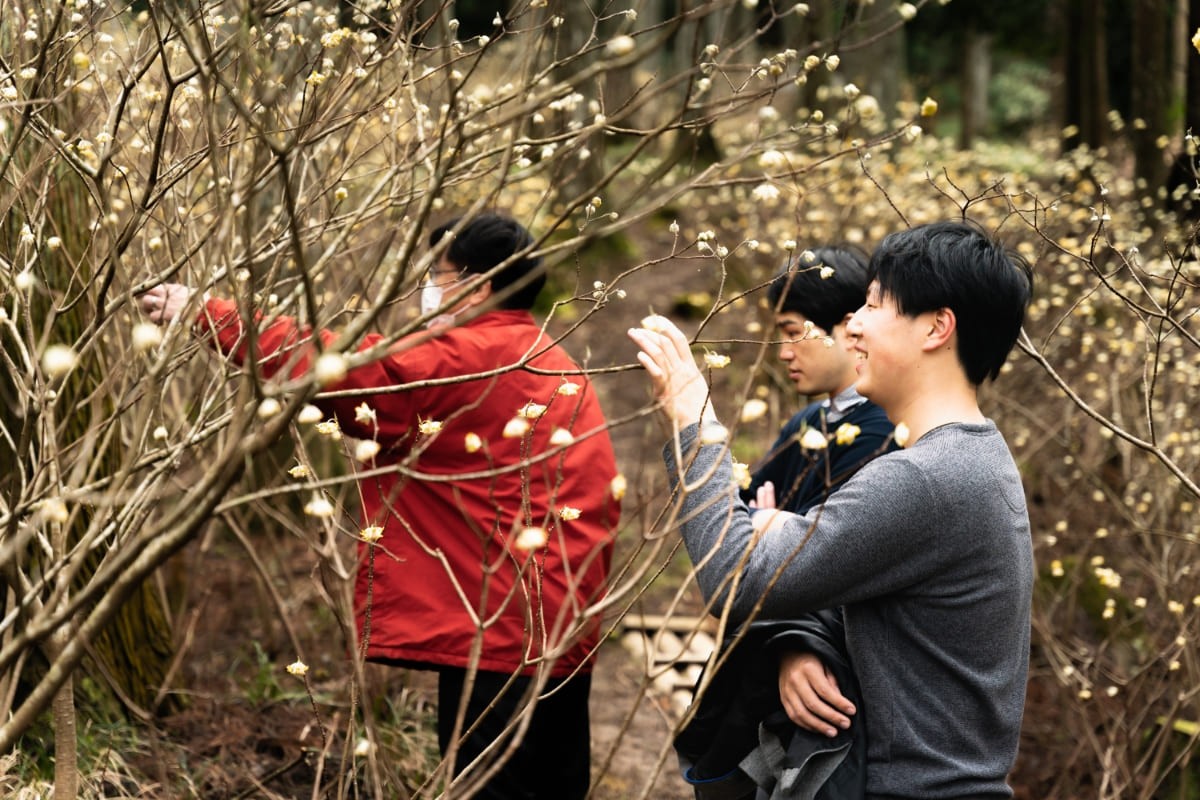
(283, 347)
(872, 537)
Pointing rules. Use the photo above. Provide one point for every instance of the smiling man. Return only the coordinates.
(813, 300)
(927, 549)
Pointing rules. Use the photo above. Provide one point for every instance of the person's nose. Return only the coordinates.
(854, 324)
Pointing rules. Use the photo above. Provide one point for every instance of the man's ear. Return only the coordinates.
(942, 327)
(481, 295)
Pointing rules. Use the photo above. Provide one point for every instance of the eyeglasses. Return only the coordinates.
(434, 275)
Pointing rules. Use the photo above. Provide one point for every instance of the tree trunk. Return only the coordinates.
(1151, 87)
(1181, 53)
(66, 759)
(1181, 177)
(1085, 73)
(976, 79)
(66, 756)
(879, 67)
(1191, 105)
(574, 178)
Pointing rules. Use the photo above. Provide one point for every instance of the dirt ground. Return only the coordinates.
(616, 702)
(249, 730)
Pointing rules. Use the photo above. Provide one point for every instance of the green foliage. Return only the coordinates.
(1019, 96)
(263, 685)
(407, 728)
(566, 277)
(104, 748)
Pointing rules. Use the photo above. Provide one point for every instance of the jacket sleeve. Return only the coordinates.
(283, 347)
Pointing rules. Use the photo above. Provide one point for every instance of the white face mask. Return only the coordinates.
(431, 298)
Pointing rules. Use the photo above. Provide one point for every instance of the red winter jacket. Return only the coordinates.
(447, 569)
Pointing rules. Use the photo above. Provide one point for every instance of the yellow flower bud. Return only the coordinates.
(617, 487)
(716, 360)
(847, 433)
(531, 538)
(813, 439)
(515, 428)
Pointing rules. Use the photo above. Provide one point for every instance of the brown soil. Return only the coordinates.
(249, 729)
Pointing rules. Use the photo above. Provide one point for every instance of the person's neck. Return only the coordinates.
(924, 411)
(848, 379)
(841, 388)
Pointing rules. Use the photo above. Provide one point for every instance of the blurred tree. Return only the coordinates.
(873, 51)
(1182, 174)
(1085, 72)
(132, 653)
(1191, 105)
(957, 53)
(805, 31)
(976, 77)
(1150, 94)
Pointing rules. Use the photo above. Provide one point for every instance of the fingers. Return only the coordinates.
(151, 303)
(164, 303)
(650, 354)
(680, 387)
(810, 695)
(798, 713)
(765, 496)
(651, 367)
(654, 346)
(664, 337)
(682, 349)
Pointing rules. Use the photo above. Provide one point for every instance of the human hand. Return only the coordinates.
(163, 303)
(764, 501)
(810, 695)
(678, 383)
(764, 496)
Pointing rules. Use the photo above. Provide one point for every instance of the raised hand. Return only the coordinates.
(678, 383)
(163, 303)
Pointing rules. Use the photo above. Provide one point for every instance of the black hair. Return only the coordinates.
(488, 240)
(825, 302)
(959, 266)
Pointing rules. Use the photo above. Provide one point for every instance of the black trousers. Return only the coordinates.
(553, 759)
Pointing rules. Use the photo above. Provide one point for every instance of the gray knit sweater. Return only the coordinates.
(928, 550)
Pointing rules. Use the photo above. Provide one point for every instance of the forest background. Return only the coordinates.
(174, 536)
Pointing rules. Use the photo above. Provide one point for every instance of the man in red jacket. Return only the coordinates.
(495, 527)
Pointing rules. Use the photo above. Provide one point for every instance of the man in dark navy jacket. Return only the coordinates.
(812, 300)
